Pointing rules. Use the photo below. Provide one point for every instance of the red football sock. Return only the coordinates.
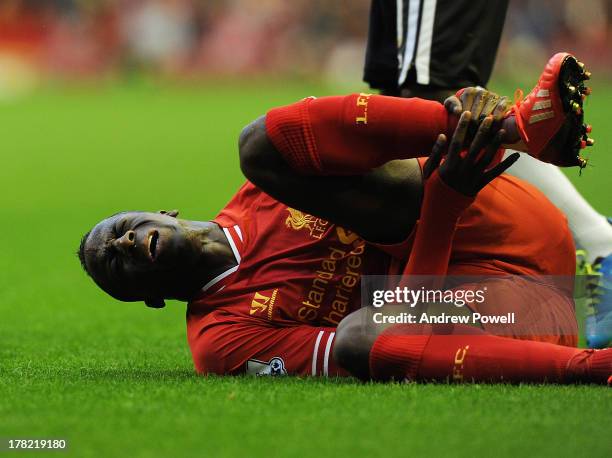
(355, 133)
(432, 353)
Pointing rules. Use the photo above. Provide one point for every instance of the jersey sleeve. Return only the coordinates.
(247, 348)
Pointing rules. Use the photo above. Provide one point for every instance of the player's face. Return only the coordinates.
(139, 255)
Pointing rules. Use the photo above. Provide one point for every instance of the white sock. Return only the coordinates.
(591, 230)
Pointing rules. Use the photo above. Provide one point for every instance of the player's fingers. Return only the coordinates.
(453, 105)
(480, 140)
(467, 98)
(490, 104)
(435, 157)
(459, 135)
(500, 168)
(471, 98)
(479, 103)
(491, 148)
(501, 108)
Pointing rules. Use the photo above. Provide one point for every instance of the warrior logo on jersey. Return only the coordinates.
(274, 367)
(298, 220)
(263, 305)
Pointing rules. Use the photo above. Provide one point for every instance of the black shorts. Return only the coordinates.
(446, 44)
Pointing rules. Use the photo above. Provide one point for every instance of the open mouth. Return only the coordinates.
(153, 239)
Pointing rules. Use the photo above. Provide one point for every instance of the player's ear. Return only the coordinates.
(173, 213)
(155, 303)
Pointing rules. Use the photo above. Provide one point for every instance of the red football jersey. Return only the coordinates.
(276, 311)
(299, 275)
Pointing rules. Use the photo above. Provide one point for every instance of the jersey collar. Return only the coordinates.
(236, 243)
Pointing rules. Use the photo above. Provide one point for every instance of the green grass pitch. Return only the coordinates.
(116, 379)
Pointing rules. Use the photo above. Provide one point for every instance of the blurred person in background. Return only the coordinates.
(159, 33)
(177, 38)
(431, 48)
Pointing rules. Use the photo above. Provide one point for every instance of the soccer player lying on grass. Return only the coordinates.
(272, 289)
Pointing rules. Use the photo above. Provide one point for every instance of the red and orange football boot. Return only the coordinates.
(550, 119)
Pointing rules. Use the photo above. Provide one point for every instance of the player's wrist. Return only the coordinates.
(439, 194)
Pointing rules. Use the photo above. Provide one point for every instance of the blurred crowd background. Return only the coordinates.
(51, 40)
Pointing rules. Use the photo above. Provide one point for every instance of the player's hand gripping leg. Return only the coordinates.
(470, 171)
(479, 102)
